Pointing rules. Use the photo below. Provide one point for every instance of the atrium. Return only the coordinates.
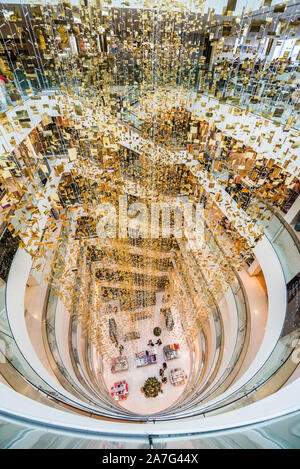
(149, 224)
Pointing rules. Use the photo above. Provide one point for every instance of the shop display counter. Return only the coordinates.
(143, 358)
(119, 390)
(119, 364)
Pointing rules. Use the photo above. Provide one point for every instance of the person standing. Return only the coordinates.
(295, 97)
(4, 96)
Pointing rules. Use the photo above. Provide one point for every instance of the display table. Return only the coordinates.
(140, 316)
(112, 326)
(168, 318)
(119, 364)
(171, 351)
(133, 335)
(119, 390)
(142, 359)
(177, 377)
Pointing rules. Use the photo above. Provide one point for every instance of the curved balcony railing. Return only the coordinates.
(286, 245)
(208, 370)
(282, 352)
(267, 379)
(240, 349)
(279, 245)
(254, 388)
(32, 430)
(51, 338)
(50, 343)
(85, 391)
(77, 365)
(211, 364)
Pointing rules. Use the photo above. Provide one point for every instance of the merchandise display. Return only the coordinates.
(168, 318)
(178, 377)
(171, 351)
(149, 212)
(119, 364)
(133, 335)
(139, 316)
(119, 391)
(143, 358)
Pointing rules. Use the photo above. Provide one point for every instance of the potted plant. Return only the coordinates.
(152, 387)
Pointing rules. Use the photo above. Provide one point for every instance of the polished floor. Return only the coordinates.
(258, 305)
(135, 377)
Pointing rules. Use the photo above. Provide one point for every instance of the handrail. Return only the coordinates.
(59, 367)
(53, 397)
(223, 404)
(79, 426)
(293, 235)
(169, 409)
(232, 370)
(57, 370)
(199, 377)
(253, 390)
(51, 348)
(297, 244)
(282, 220)
(239, 361)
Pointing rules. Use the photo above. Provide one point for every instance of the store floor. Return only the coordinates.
(33, 303)
(135, 377)
(258, 303)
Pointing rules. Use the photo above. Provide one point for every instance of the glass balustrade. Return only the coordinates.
(278, 433)
(19, 434)
(287, 249)
(284, 350)
(243, 334)
(85, 392)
